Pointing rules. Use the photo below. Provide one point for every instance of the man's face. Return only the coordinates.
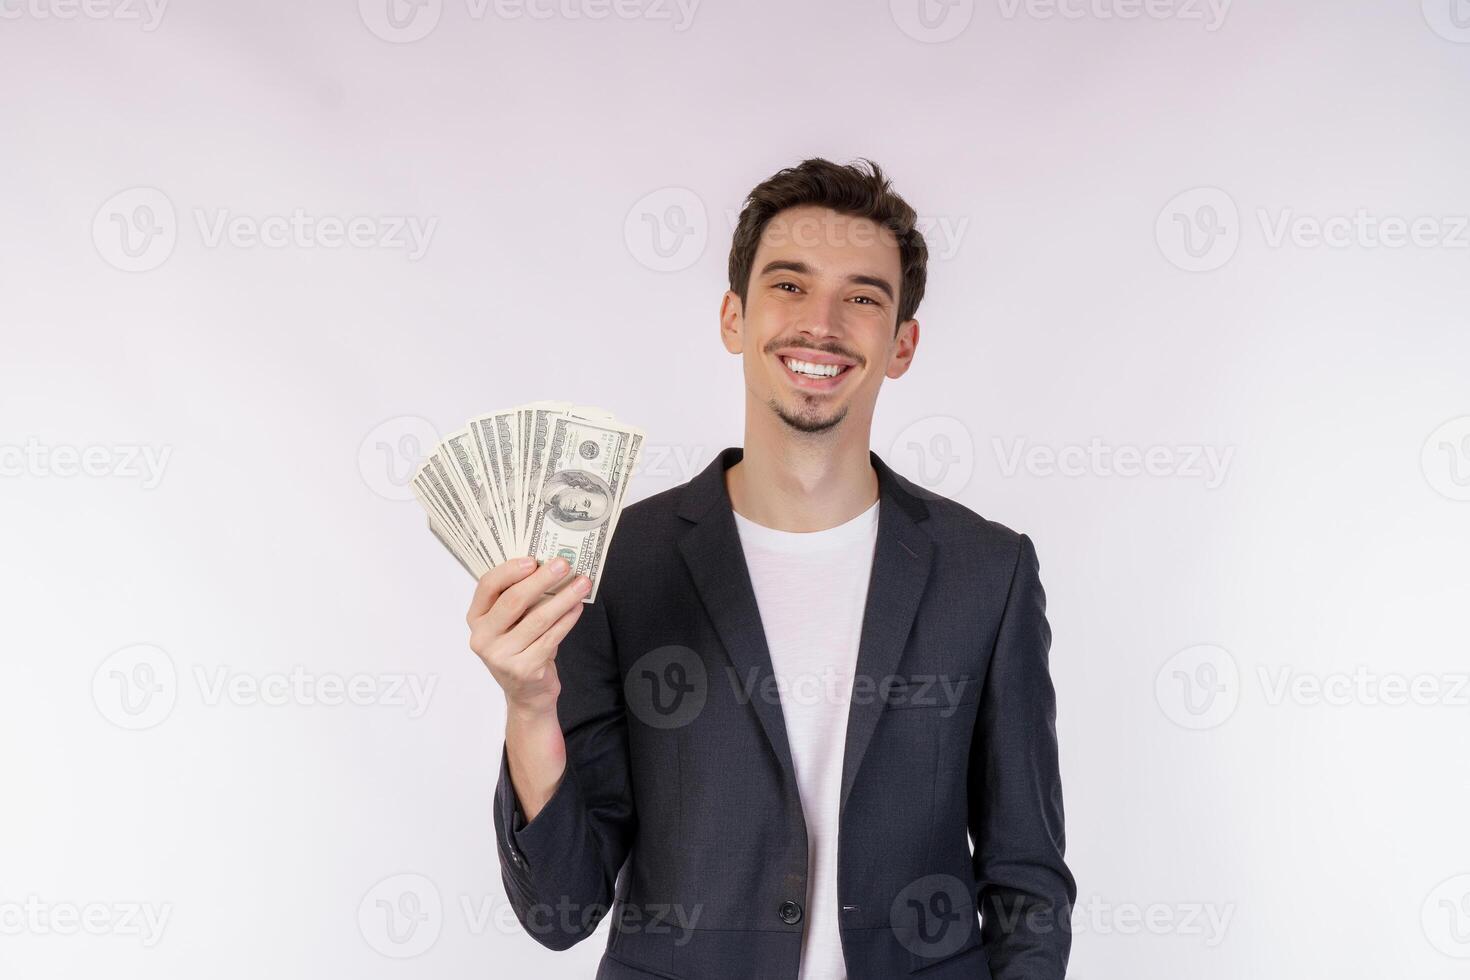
(817, 330)
(582, 504)
(591, 505)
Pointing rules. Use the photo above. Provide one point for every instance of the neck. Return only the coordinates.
(801, 481)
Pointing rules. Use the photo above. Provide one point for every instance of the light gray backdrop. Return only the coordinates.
(1197, 322)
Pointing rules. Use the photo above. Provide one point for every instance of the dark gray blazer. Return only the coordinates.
(679, 817)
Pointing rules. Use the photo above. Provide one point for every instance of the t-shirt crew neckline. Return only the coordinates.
(833, 537)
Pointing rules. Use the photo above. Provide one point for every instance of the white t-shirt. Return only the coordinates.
(811, 587)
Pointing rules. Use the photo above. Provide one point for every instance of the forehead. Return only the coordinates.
(825, 238)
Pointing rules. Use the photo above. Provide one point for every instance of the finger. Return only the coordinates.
(494, 582)
(521, 596)
(545, 647)
(558, 630)
(542, 616)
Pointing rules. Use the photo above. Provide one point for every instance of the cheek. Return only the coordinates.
(876, 347)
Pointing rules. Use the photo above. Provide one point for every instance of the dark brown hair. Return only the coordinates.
(850, 190)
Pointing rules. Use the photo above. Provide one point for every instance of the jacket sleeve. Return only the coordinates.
(1025, 890)
(560, 869)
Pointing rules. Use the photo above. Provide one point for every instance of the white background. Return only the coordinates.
(1220, 824)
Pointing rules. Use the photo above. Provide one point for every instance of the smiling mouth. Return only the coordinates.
(808, 374)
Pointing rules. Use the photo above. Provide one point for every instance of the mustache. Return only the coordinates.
(837, 349)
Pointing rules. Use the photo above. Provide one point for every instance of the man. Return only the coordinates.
(576, 499)
(806, 685)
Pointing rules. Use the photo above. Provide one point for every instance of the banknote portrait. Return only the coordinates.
(576, 499)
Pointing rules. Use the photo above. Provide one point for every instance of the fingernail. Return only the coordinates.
(561, 566)
(526, 563)
(583, 584)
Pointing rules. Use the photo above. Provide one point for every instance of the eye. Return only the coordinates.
(793, 285)
(867, 299)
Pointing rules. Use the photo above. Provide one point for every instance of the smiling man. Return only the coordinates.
(807, 730)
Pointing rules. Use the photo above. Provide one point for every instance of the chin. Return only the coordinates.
(809, 423)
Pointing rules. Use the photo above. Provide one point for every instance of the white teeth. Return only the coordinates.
(813, 370)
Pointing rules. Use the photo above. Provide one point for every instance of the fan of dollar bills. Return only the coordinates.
(546, 479)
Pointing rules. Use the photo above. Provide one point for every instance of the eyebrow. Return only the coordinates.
(802, 269)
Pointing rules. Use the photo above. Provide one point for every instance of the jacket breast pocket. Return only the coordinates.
(945, 693)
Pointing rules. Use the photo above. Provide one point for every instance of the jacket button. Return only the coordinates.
(790, 913)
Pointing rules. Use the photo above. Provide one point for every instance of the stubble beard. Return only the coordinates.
(806, 423)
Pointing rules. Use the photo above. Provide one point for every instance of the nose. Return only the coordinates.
(823, 316)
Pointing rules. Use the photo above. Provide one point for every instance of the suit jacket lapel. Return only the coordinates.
(711, 549)
(901, 561)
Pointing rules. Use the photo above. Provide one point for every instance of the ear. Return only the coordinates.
(904, 345)
(732, 323)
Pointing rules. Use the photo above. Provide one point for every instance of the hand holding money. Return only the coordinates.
(542, 480)
(515, 628)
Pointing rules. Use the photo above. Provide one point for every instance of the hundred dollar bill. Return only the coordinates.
(464, 471)
(445, 530)
(435, 473)
(439, 532)
(492, 436)
(582, 468)
(537, 418)
(521, 438)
